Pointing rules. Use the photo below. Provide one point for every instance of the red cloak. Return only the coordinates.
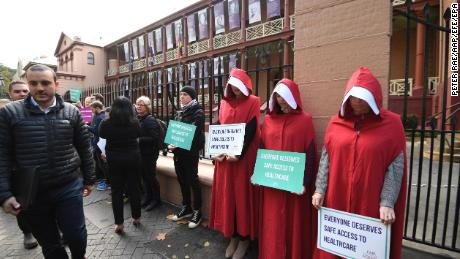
(286, 229)
(359, 159)
(232, 197)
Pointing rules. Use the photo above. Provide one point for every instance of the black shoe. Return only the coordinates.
(195, 220)
(185, 212)
(153, 205)
(30, 241)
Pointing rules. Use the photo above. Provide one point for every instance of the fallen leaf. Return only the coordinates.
(204, 223)
(186, 245)
(170, 216)
(161, 236)
(169, 245)
(186, 257)
(174, 257)
(182, 222)
(206, 244)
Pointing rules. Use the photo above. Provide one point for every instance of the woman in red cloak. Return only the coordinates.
(232, 199)
(286, 218)
(363, 162)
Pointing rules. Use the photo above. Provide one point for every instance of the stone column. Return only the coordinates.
(419, 58)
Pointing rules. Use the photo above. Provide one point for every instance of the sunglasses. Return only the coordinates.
(42, 82)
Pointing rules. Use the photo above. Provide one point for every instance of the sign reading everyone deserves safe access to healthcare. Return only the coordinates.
(226, 139)
(352, 236)
(279, 169)
(180, 134)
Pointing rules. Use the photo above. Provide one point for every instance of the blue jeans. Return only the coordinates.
(63, 207)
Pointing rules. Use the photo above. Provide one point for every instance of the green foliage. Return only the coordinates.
(7, 74)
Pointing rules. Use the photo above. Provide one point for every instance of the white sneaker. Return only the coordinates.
(195, 220)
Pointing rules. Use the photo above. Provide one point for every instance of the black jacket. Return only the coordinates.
(58, 143)
(150, 136)
(192, 115)
(121, 139)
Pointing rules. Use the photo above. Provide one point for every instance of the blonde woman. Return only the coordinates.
(149, 147)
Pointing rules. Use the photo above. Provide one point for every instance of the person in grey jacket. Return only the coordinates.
(48, 135)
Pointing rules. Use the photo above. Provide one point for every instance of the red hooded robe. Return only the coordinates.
(286, 229)
(359, 159)
(232, 197)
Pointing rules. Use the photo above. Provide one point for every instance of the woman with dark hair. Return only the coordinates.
(121, 131)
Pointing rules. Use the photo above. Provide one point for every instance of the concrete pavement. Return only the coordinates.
(180, 242)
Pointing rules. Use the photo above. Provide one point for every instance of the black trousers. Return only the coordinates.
(100, 165)
(125, 170)
(187, 175)
(152, 186)
(22, 224)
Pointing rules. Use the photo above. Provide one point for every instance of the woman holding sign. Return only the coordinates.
(232, 199)
(363, 162)
(286, 218)
(186, 161)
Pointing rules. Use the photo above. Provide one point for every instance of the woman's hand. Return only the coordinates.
(219, 158)
(387, 215)
(301, 192)
(232, 158)
(171, 147)
(317, 200)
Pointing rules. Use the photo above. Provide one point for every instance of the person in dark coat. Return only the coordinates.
(149, 147)
(121, 131)
(186, 161)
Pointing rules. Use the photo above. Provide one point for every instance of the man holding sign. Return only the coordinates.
(363, 162)
(286, 217)
(186, 161)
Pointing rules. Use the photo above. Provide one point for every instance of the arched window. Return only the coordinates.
(90, 58)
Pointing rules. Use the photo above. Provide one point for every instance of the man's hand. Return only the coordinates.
(171, 147)
(11, 206)
(86, 190)
(317, 200)
(387, 215)
(219, 158)
(104, 157)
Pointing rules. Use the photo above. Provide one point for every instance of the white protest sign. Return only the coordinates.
(101, 144)
(226, 139)
(351, 235)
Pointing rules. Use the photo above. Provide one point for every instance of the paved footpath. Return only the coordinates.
(179, 242)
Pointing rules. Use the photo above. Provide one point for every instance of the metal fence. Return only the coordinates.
(433, 145)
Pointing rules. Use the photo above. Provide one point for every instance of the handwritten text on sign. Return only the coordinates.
(226, 139)
(279, 169)
(180, 134)
(352, 236)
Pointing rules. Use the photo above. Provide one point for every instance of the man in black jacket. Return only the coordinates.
(45, 133)
(186, 161)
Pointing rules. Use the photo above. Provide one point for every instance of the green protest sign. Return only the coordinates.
(75, 94)
(180, 134)
(280, 170)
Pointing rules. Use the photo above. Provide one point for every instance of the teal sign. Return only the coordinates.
(180, 134)
(279, 170)
(75, 94)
